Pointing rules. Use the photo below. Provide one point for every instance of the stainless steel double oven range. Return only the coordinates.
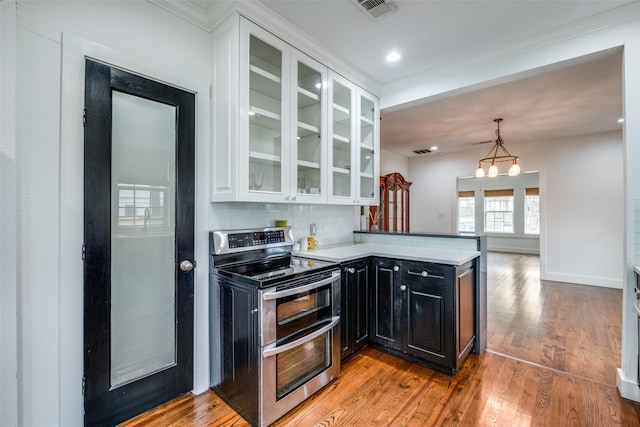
(274, 322)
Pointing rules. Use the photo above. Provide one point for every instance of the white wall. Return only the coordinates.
(52, 38)
(391, 162)
(8, 282)
(577, 203)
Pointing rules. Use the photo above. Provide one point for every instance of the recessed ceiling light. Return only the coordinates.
(620, 120)
(434, 148)
(392, 56)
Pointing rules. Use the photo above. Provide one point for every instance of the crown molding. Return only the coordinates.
(186, 10)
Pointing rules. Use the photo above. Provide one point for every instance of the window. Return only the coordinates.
(532, 211)
(466, 212)
(498, 211)
(141, 206)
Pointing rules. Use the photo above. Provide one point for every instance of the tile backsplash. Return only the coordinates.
(334, 223)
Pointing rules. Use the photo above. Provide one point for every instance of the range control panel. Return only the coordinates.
(230, 241)
(256, 238)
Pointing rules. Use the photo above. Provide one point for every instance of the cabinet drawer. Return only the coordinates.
(429, 272)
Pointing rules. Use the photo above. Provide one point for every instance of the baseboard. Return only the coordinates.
(603, 282)
(628, 389)
(528, 251)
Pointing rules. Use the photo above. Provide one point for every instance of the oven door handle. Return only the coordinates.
(272, 349)
(267, 296)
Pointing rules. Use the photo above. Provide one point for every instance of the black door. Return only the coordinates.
(139, 243)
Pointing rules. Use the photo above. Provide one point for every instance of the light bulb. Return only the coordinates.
(479, 172)
(493, 171)
(514, 170)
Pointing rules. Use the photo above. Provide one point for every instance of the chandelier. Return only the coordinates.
(498, 154)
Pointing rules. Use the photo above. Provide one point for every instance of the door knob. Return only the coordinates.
(186, 265)
(403, 287)
(396, 268)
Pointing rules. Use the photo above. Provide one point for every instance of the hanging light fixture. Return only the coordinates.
(493, 157)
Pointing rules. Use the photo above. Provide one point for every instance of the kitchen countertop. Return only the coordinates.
(349, 252)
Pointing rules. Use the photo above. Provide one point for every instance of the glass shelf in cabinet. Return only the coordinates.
(366, 121)
(339, 140)
(264, 119)
(341, 114)
(263, 158)
(305, 129)
(303, 164)
(306, 98)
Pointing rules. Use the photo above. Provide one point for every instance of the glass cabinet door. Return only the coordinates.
(341, 145)
(367, 175)
(309, 178)
(267, 100)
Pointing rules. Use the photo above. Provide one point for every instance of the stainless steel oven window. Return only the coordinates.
(298, 365)
(298, 312)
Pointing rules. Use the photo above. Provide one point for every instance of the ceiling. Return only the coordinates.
(582, 99)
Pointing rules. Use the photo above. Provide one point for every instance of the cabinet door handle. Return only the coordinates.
(294, 198)
(286, 199)
(425, 274)
(396, 268)
(403, 287)
(351, 270)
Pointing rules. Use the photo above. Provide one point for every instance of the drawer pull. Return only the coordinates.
(425, 274)
(396, 268)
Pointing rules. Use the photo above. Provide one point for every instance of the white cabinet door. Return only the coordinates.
(308, 135)
(264, 113)
(354, 142)
(368, 152)
(342, 140)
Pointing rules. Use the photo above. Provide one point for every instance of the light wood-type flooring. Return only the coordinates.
(553, 350)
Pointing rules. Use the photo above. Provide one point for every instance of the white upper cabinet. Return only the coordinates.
(342, 136)
(283, 131)
(309, 124)
(354, 117)
(368, 153)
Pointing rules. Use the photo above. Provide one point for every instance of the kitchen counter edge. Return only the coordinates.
(337, 253)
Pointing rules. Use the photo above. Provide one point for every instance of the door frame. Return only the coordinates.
(176, 380)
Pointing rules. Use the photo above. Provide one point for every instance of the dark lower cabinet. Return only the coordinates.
(424, 311)
(429, 322)
(355, 295)
(386, 303)
(239, 344)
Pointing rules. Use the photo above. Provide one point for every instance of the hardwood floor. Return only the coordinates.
(571, 328)
(552, 354)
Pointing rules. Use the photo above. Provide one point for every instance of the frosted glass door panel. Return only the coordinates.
(265, 116)
(143, 336)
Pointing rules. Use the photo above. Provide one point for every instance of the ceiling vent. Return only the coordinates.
(423, 151)
(375, 9)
